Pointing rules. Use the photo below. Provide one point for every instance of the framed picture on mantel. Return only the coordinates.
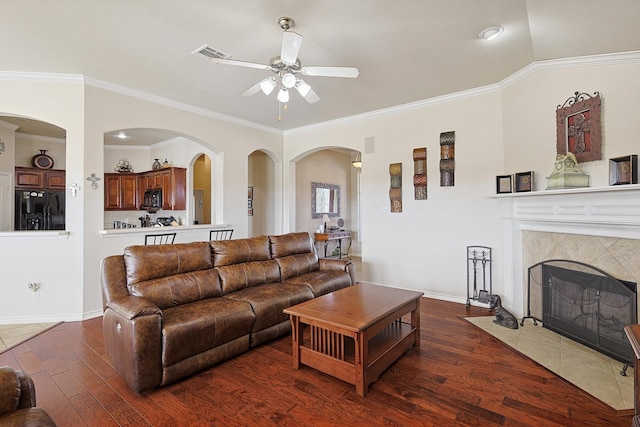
(503, 184)
(578, 127)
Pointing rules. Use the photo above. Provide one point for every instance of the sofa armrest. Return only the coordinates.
(27, 390)
(132, 328)
(339, 265)
(130, 307)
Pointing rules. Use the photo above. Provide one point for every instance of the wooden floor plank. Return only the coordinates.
(459, 376)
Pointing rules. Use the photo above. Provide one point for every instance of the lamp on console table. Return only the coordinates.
(325, 220)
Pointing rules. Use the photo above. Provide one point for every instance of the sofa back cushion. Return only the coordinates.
(295, 265)
(246, 274)
(150, 262)
(229, 252)
(294, 253)
(290, 244)
(170, 275)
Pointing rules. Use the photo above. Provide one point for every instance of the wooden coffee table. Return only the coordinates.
(354, 334)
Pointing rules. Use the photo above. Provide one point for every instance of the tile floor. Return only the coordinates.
(588, 369)
(10, 335)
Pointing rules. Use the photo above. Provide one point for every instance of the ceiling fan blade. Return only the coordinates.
(239, 63)
(307, 93)
(350, 72)
(265, 85)
(252, 90)
(291, 43)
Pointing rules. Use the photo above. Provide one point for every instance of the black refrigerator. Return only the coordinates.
(39, 210)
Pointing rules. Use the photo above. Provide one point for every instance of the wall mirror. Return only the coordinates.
(325, 199)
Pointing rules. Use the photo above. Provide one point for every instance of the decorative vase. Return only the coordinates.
(42, 160)
(156, 164)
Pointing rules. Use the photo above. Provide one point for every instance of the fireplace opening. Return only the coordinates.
(585, 304)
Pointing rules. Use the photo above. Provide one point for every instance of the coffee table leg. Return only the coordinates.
(361, 356)
(415, 322)
(296, 340)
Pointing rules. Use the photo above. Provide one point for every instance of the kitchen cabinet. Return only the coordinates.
(40, 179)
(125, 191)
(120, 192)
(173, 183)
(54, 179)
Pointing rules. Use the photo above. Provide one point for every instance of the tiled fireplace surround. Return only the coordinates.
(597, 226)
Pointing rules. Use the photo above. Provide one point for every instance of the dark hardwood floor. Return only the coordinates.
(458, 376)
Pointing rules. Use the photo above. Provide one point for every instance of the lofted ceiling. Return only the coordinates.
(406, 50)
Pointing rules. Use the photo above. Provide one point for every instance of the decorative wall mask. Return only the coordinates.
(420, 173)
(395, 192)
(447, 158)
(578, 127)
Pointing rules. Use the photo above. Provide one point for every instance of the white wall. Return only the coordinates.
(505, 128)
(423, 247)
(68, 267)
(502, 129)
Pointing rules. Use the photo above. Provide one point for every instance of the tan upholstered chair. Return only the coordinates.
(18, 400)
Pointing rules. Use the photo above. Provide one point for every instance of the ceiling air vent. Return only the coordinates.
(210, 52)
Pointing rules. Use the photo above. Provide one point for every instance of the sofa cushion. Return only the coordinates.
(190, 329)
(322, 282)
(179, 289)
(291, 244)
(229, 252)
(247, 274)
(269, 300)
(153, 261)
(295, 265)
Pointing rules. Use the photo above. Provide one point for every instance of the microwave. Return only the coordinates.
(152, 199)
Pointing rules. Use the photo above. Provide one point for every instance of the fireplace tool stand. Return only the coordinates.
(479, 263)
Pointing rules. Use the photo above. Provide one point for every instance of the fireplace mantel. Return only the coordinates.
(603, 211)
(596, 211)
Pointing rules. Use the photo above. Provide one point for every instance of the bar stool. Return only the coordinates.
(159, 239)
(221, 234)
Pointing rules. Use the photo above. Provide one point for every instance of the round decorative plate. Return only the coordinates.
(42, 160)
(340, 222)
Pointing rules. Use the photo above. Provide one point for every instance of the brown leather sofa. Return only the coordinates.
(18, 400)
(172, 310)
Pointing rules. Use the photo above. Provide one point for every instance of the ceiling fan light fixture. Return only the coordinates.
(288, 80)
(491, 33)
(283, 95)
(268, 85)
(302, 87)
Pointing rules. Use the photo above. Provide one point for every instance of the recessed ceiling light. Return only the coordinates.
(121, 135)
(491, 32)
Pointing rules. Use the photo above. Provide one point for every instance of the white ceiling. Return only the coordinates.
(406, 50)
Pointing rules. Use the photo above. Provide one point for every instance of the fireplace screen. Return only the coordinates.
(583, 303)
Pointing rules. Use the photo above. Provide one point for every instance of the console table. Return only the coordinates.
(338, 236)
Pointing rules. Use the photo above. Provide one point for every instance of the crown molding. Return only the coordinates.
(581, 61)
(41, 77)
(123, 90)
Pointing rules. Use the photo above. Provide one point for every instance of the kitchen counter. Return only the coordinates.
(119, 232)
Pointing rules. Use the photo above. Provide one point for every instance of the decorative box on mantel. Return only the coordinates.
(567, 174)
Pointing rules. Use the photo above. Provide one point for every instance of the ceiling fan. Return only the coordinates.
(286, 68)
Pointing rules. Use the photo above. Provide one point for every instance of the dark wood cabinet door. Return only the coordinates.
(128, 192)
(111, 192)
(54, 180)
(29, 178)
(120, 192)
